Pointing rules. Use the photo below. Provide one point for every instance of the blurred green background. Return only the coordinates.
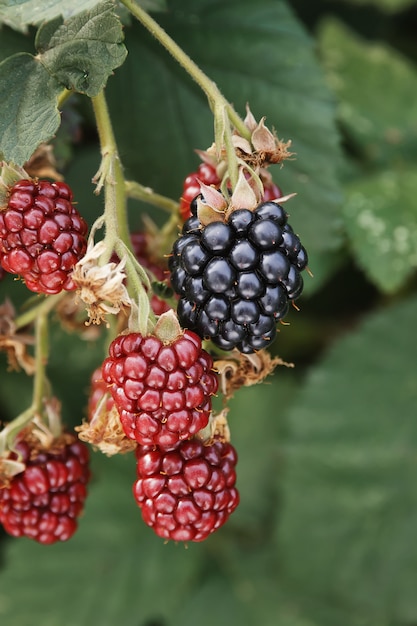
(325, 531)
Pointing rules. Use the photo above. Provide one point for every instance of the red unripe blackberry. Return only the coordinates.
(44, 501)
(162, 391)
(187, 492)
(271, 192)
(42, 235)
(205, 173)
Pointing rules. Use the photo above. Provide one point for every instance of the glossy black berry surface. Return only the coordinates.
(236, 279)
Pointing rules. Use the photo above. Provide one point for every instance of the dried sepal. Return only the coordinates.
(10, 174)
(73, 317)
(289, 196)
(213, 198)
(101, 287)
(245, 370)
(262, 138)
(43, 433)
(242, 144)
(217, 429)
(250, 121)
(212, 206)
(265, 147)
(206, 214)
(104, 431)
(8, 469)
(208, 156)
(245, 195)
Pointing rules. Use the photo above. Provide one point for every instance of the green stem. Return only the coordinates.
(223, 136)
(43, 308)
(13, 428)
(209, 87)
(63, 97)
(139, 192)
(142, 318)
(111, 176)
(11, 431)
(117, 235)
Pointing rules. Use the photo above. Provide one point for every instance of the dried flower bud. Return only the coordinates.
(101, 287)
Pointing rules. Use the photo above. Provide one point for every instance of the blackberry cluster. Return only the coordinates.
(235, 279)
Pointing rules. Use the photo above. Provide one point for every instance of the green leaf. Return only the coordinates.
(346, 533)
(82, 52)
(249, 591)
(381, 221)
(19, 14)
(257, 52)
(224, 606)
(377, 89)
(78, 54)
(29, 111)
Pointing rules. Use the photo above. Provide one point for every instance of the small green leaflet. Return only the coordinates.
(347, 529)
(29, 115)
(380, 121)
(18, 14)
(78, 54)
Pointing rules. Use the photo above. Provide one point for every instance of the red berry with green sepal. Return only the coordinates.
(162, 390)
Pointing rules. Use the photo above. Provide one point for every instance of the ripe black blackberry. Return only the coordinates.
(235, 278)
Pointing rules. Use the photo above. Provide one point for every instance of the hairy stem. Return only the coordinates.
(139, 192)
(111, 176)
(209, 87)
(43, 308)
(13, 428)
